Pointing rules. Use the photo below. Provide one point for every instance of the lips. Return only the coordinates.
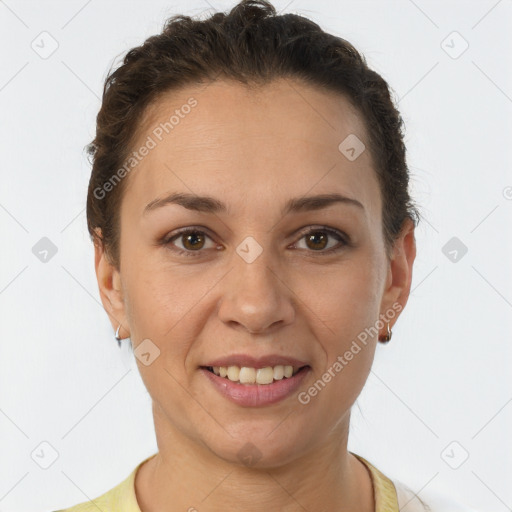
(256, 395)
(248, 380)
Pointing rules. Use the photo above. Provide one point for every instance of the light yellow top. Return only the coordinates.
(123, 498)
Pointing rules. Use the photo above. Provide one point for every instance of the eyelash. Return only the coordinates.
(343, 239)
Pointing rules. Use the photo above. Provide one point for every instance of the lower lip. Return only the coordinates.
(256, 395)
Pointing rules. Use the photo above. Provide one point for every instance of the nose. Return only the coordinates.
(256, 298)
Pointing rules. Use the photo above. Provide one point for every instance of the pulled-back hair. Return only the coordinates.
(253, 46)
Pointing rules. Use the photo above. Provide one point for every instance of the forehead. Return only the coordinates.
(280, 139)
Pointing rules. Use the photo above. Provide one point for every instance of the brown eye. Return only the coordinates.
(317, 240)
(192, 241)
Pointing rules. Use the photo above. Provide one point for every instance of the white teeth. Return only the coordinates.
(247, 375)
(233, 373)
(278, 372)
(265, 375)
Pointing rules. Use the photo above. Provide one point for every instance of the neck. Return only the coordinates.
(186, 475)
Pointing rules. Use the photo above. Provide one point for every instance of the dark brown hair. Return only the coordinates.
(251, 45)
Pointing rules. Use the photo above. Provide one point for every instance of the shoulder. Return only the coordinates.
(107, 502)
(428, 502)
(120, 497)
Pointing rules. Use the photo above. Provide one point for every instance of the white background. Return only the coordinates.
(442, 378)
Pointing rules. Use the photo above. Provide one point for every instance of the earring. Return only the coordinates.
(117, 337)
(386, 337)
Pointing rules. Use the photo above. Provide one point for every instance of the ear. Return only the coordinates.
(110, 287)
(399, 273)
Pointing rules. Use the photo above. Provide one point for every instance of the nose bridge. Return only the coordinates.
(258, 279)
(256, 296)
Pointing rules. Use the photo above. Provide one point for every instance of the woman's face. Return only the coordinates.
(249, 281)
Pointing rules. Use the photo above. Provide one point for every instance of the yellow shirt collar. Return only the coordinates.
(384, 491)
(123, 497)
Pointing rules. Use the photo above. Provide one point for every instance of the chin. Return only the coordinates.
(261, 446)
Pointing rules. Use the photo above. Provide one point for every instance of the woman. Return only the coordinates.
(254, 240)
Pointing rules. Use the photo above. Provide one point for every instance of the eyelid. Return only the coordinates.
(319, 227)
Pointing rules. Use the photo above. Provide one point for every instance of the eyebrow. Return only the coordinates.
(209, 204)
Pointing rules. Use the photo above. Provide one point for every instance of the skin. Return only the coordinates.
(254, 150)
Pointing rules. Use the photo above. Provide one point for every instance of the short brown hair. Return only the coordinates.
(251, 45)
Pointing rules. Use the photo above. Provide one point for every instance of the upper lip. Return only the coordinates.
(256, 362)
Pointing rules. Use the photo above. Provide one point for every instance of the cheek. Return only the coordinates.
(345, 306)
(345, 298)
(170, 307)
(158, 297)
(162, 310)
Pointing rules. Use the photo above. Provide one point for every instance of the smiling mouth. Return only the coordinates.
(263, 376)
